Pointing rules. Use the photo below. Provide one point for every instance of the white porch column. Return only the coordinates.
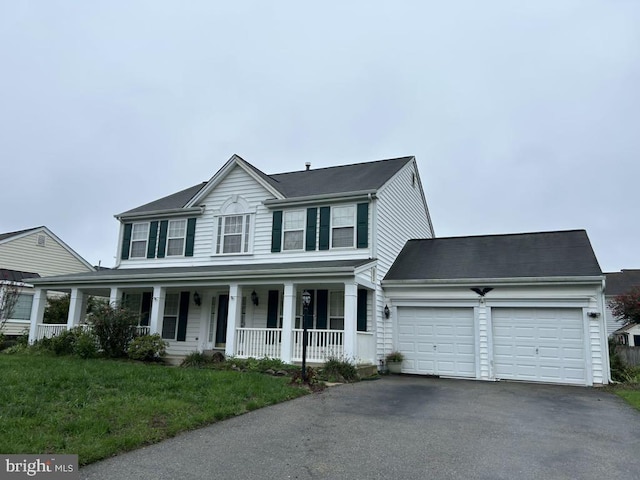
(288, 316)
(350, 320)
(114, 296)
(37, 312)
(76, 301)
(233, 319)
(157, 309)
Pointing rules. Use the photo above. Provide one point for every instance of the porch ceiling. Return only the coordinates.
(249, 271)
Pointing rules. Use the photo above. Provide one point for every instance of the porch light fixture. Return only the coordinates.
(254, 298)
(306, 301)
(196, 299)
(387, 312)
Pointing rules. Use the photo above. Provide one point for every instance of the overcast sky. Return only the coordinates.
(523, 116)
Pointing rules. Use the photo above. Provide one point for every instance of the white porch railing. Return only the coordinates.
(258, 342)
(321, 345)
(48, 330)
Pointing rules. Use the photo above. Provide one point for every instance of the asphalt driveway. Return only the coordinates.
(406, 428)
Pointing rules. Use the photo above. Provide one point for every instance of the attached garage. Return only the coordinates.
(539, 345)
(520, 307)
(437, 341)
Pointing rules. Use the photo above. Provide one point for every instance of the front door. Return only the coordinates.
(221, 325)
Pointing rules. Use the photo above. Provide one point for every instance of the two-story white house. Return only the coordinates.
(223, 264)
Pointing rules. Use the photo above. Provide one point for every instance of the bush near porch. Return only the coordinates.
(97, 408)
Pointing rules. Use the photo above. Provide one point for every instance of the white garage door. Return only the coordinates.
(539, 344)
(437, 341)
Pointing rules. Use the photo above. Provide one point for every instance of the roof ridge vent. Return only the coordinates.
(307, 165)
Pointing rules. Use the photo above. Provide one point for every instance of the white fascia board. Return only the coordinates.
(475, 282)
(235, 160)
(315, 199)
(155, 214)
(16, 284)
(192, 277)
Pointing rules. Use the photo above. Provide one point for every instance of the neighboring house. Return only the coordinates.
(628, 335)
(32, 253)
(223, 264)
(619, 283)
(514, 307)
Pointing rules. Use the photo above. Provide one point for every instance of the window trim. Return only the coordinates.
(352, 226)
(301, 229)
(183, 237)
(133, 240)
(246, 236)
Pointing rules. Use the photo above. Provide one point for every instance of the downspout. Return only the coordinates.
(604, 337)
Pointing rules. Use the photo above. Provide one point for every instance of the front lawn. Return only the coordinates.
(97, 408)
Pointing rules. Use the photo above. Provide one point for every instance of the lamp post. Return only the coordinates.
(306, 301)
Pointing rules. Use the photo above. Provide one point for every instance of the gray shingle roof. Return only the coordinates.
(205, 271)
(542, 254)
(175, 200)
(15, 275)
(4, 236)
(618, 283)
(341, 179)
(322, 181)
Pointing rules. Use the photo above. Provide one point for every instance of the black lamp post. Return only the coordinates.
(306, 301)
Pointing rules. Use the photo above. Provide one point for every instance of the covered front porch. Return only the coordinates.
(240, 319)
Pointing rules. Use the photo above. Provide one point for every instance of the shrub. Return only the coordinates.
(64, 342)
(147, 348)
(114, 328)
(195, 359)
(395, 357)
(86, 345)
(336, 370)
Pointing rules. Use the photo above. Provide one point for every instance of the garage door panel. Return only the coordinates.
(446, 343)
(545, 344)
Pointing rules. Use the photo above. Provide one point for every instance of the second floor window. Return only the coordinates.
(233, 234)
(175, 237)
(293, 230)
(342, 226)
(139, 236)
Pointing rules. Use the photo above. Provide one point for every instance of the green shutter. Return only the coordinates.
(183, 314)
(312, 218)
(362, 310)
(363, 226)
(153, 236)
(126, 241)
(145, 308)
(325, 224)
(322, 310)
(276, 231)
(191, 235)
(162, 241)
(272, 309)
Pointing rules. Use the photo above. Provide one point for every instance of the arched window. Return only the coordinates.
(234, 226)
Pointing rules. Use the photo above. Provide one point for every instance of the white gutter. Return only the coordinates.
(172, 212)
(314, 199)
(520, 281)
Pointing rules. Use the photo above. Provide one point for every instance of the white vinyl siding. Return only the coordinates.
(176, 237)
(139, 237)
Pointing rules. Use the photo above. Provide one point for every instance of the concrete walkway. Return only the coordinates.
(406, 428)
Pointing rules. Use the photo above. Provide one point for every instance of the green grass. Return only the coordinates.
(97, 408)
(631, 395)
